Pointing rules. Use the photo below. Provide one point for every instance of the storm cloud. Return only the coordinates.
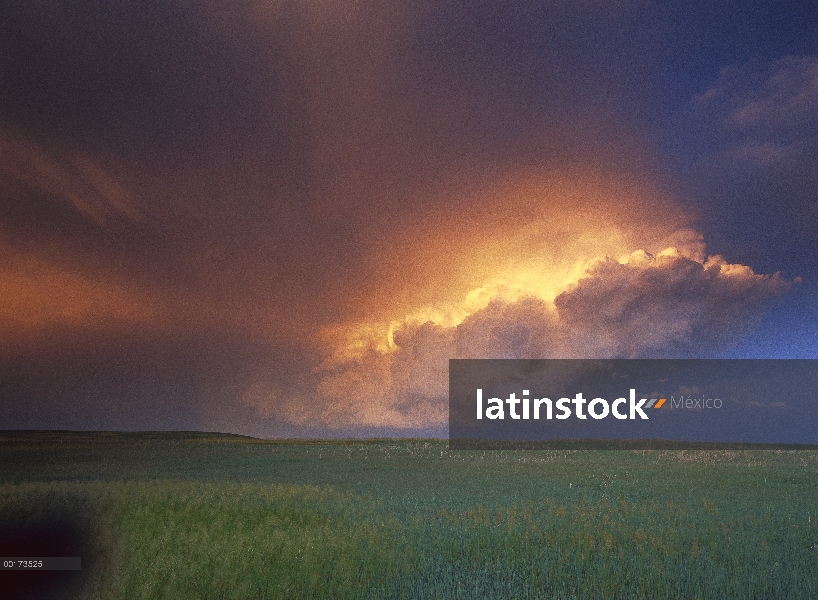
(282, 218)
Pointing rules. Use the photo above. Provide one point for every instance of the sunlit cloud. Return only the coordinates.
(677, 302)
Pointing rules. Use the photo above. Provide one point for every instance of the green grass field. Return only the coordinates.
(212, 516)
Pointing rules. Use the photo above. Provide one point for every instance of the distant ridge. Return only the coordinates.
(66, 435)
(55, 436)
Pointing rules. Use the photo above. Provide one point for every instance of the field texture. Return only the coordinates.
(210, 516)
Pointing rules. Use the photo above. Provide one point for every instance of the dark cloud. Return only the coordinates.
(749, 158)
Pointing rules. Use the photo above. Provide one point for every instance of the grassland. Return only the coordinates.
(211, 516)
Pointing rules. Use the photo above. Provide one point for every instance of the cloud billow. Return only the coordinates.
(662, 306)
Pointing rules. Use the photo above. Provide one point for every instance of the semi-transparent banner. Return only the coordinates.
(639, 403)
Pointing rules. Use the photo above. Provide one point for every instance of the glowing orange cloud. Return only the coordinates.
(573, 269)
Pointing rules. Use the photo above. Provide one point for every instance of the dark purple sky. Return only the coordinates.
(283, 217)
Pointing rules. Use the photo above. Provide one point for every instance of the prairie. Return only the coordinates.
(196, 515)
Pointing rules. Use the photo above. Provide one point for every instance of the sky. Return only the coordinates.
(281, 218)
